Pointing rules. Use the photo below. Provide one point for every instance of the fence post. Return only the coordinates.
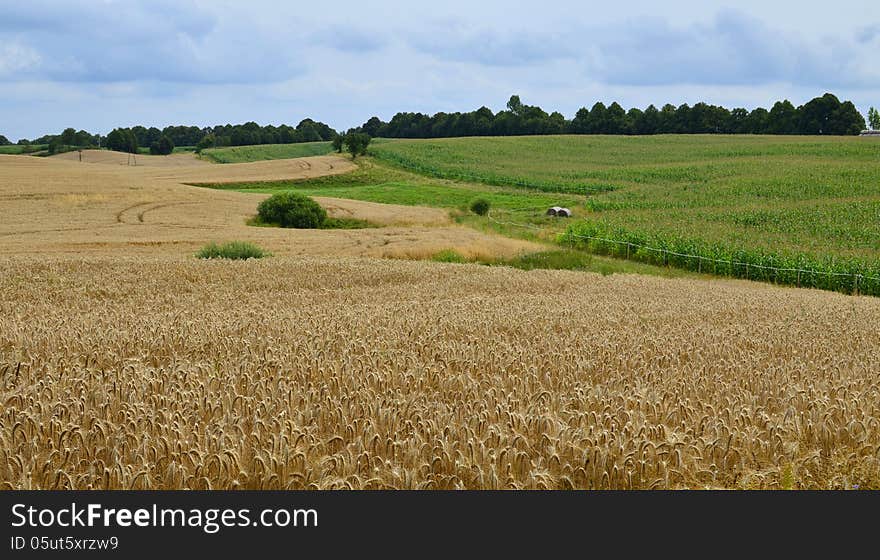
(856, 289)
(627, 250)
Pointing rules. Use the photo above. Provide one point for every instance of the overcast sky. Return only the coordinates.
(98, 64)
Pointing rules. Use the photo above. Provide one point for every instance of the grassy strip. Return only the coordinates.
(566, 259)
(379, 183)
(15, 149)
(236, 250)
(244, 154)
(830, 273)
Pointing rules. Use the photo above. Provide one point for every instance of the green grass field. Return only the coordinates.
(244, 154)
(380, 183)
(15, 149)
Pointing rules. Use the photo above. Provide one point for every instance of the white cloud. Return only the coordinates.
(98, 64)
(18, 59)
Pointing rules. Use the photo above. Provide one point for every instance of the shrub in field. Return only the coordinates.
(356, 143)
(480, 207)
(289, 209)
(449, 256)
(231, 250)
(337, 143)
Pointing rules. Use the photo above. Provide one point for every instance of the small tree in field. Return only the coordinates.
(874, 118)
(207, 141)
(480, 207)
(338, 141)
(356, 143)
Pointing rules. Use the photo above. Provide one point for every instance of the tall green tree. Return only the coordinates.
(122, 140)
(162, 147)
(649, 122)
(815, 115)
(598, 119)
(846, 120)
(616, 122)
(783, 118)
(580, 124)
(372, 126)
(356, 143)
(207, 141)
(68, 137)
(338, 142)
(515, 105)
(874, 118)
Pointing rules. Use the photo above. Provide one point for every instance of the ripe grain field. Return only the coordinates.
(104, 205)
(356, 373)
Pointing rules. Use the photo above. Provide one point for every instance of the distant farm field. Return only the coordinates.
(808, 200)
(16, 149)
(244, 154)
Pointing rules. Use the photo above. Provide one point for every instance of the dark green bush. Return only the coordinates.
(480, 207)
(231, 250)
(292, 210)
(162, 147)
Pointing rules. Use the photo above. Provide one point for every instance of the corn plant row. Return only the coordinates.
(835, 274)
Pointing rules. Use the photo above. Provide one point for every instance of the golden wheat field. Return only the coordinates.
(127, 363)
(61, 206)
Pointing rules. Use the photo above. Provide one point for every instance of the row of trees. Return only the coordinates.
(126, 140)
(822, 115)
(70, 137)
(247, 134)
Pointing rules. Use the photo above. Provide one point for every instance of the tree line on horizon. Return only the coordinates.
(822, 115)
(163, 141)
(825, 115)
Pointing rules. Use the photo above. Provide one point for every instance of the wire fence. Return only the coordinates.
(858, 279)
